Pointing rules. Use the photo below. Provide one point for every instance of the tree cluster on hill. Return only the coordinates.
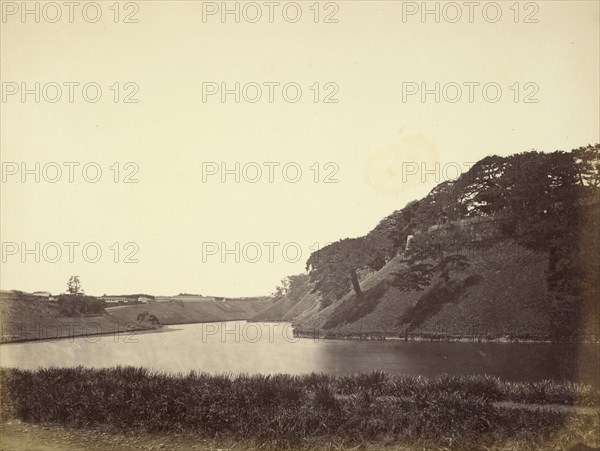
(146, 317)
(548, 203)
(72, 305)
(335, 267)
(500, 187)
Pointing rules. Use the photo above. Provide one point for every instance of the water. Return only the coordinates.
(240, 347)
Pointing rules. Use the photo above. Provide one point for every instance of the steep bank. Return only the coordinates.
(500, 296)
(503, 293)
(510, 249)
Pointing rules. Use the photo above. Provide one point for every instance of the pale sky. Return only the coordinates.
(369, 136)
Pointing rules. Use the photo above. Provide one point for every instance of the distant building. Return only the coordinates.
(44, 295)
(144, 299)
(115, 299)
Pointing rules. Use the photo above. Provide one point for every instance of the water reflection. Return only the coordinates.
(240, 347)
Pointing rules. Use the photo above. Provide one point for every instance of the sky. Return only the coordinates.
(136, 186)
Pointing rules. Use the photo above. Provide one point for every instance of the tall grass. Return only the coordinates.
(288, 411)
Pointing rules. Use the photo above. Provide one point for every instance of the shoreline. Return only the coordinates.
(159, 328)
(376, 336)
(424, 338)
(156, 329)
(421, 339)
(317, 335)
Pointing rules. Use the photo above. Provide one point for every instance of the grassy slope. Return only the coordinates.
(25, 317)
(285, 310)
(508, 300)
(275, 311)
(309, 304)
(181, 312)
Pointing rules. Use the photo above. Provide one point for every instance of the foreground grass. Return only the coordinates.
(311, 411)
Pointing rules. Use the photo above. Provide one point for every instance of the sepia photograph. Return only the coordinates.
(300, 225)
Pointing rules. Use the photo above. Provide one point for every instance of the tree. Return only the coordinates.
(292, 287)
(484, 189)
(556, 212)
(74, 286)
(420, 271)
(587, 163)
(334, 268)
(146, 317)
(415, 278)
(69, 305)
(281, 290)
(392, 231)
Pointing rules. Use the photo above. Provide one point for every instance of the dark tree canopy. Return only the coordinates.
(334, 268)
(428, 255)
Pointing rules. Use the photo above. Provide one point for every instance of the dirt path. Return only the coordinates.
(18, 436)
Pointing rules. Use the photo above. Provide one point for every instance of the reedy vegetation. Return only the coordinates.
(283, 411)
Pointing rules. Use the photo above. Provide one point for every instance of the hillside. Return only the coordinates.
(26, 317)
(180, 312)
(502, 299)
(508, 250)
